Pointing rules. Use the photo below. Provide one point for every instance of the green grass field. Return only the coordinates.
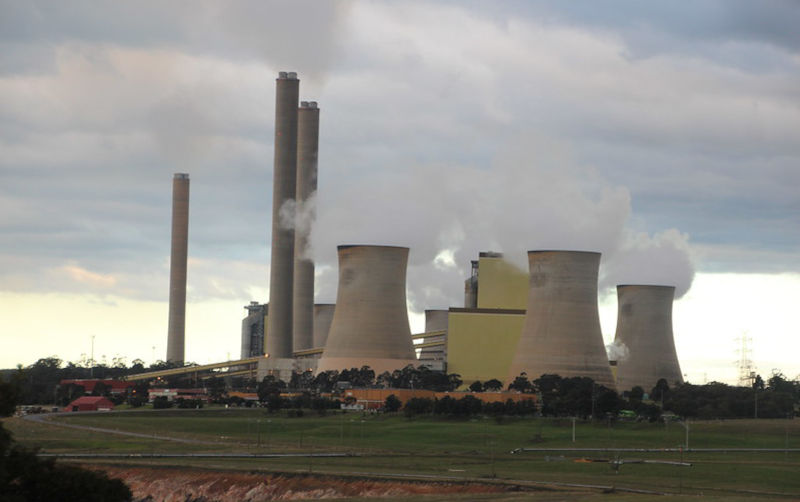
(461, 449)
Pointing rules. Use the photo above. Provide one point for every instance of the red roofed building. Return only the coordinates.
(114, 386)
(90, 403)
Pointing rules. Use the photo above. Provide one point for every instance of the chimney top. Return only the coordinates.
(181, 176)
(308, 104)
(287, 75)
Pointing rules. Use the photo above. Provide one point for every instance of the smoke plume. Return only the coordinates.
(534, 196)
(617, 351)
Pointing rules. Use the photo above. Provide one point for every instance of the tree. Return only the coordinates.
(216, 389)
(101, 389)
(476, 386)
(269, 392)
(65, 394)
(392, 403)
(493, 385)
(636, 394)
(521, 384)
(9, 396)
(660, 391)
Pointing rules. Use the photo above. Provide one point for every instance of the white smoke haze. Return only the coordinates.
(617, 351)
(534, 196)
(662, 259)
(286, 214)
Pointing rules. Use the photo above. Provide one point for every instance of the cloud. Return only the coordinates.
(87, 277)
(477, 127)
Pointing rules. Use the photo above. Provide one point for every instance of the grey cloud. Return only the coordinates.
(439, 132)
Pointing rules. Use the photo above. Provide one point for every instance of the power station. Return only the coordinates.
(543, 320)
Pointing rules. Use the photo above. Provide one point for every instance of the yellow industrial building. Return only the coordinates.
(482, 336)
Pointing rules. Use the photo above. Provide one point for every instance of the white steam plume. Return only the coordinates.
(533, 197)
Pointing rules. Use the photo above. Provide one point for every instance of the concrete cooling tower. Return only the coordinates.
(176, 330)
(644, 326)
(562, 334)
(323, 316)
(307, 152)
(370, 324)
(284, 179)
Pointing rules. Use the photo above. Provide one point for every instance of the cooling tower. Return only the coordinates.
(562, 334)
(303, 300)
(644, 326)
(323, 316)
(370, 323)
(177, 268)
(279, 332)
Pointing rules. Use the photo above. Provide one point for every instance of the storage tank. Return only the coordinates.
(370, 323)
(281, 272)
(644, 326)
(307, 152)
(562, 333)
(323, 316)
(176, 329)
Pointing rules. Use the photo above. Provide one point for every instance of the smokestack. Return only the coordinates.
(307, 151)
(644, 326)
(279, 331)
(562, 332)
(370, 322)
(177, 268)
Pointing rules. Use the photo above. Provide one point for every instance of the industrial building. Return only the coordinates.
(543, 320)
(483, 336)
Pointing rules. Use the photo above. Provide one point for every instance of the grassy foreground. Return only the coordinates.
(459, 449)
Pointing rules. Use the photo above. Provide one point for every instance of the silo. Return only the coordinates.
(176, 329)
(562, 334)
(370, 323)
(644, 326)
(279, 337)
(307, 150)
(323, 316)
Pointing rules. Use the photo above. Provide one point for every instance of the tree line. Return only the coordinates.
(776, 397)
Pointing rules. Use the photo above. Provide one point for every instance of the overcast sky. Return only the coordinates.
(665, 135)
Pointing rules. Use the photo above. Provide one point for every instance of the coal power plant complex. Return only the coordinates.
(541, 321)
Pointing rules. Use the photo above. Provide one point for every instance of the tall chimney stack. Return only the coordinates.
(307, 152)
(284, 180)
(177, 268)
